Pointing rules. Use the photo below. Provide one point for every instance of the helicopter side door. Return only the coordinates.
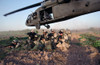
(46, 15)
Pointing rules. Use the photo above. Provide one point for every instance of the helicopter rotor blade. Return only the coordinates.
(21, 9)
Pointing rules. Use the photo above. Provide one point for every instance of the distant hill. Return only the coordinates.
(23, 33)
(7, 34)
(97, 30)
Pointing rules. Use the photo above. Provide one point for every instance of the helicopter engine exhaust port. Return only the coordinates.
(47, 26)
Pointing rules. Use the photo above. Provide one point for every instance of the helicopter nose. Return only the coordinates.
(27, 22)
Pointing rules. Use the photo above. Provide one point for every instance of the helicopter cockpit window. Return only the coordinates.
(29, 17)
(34, 15)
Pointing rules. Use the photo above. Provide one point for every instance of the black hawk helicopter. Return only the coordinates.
(58, 10)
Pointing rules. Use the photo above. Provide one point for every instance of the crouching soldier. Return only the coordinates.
(32, 37)
(15, 44)
(45, 35)
(62, 41)
(39, 45)
(53, 38)
(59, 45)
(54, 43)
(62, 44)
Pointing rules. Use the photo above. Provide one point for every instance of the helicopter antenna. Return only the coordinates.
(21, 9)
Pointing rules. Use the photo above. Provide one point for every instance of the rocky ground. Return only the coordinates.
(76, 55)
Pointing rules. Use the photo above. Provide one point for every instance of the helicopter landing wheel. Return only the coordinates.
(47, 26)
(38, 26)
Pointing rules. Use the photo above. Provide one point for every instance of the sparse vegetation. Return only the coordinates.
(89, 39)
(5, 43)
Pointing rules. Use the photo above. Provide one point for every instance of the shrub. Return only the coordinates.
(90, 40)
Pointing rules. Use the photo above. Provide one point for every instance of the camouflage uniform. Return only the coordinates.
(65, 36)
(63, 41)
(15, 44)
(53, 39)
(45, 35)
(68, 32)
(36, 45)
(48, 45)
(42, 44)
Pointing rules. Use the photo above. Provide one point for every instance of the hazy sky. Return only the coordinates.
(17, 21)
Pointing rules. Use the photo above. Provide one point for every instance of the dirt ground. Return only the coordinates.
(75, 55)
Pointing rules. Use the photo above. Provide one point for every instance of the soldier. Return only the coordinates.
(47, 16)
(53, 39)
(59, 45)
(69, 35)
(41, 46)
(45, 35)
(65, 36)
(51, 35)
(15, 44)
(47, 41)
(36, 47)
(62, 45)
(61, 35)
(32, 37)
(54, 43)
(65, 45)
(62, 41)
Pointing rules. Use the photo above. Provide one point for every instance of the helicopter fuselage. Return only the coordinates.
(59, 11)
(53, 11)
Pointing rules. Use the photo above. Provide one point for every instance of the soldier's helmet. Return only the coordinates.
(52, 31)
(14, 41)
(61, 31)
